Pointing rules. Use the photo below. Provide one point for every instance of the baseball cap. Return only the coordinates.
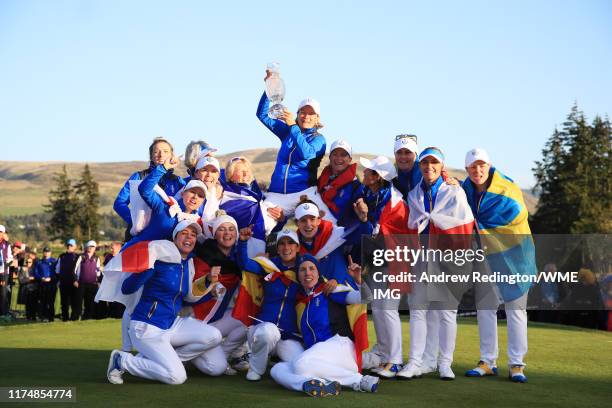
(433, 152)
(18, 244)
(341, 144)
(2, 228)
(208, 161)
(91, 244)
(71, 241)
(288, 233)
(316, 106)
(195, 184)
(305, 209)
(382, 165)
(406, 142)
(185, 224)
(475, 155)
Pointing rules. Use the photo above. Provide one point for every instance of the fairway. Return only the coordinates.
(567, 367)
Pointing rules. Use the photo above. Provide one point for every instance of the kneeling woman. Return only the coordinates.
(164, 340)
(330, 361)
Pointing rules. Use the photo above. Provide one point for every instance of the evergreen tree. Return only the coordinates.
(88, 197)
(61, 207)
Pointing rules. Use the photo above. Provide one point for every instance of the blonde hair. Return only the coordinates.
(231, 165)
(156, 141)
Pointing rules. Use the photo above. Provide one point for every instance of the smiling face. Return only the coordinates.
(161, 151)
(308, 226)
(339, 160)
(193, 199)
(308, 275)
(431, 168)
(404, 159)
(307, 118)
(241, 173)
(287, 250)
(208, 174)
(478, 172)
(226, 235)
(185, 240)
(371, 178)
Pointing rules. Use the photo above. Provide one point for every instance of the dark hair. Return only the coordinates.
(157, 140)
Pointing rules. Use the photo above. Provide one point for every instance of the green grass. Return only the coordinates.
(567, 367)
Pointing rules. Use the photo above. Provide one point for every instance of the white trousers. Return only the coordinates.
(162, 352)
(333, 359)
(516, 317)
(234, 332)
(432, 343)
(388, 327)
(288, 202)
(446, 320)
(264, 340)
(126, 342)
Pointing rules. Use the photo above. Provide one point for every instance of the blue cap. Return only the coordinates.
(433, 152)
(310, 258)
(71, 241)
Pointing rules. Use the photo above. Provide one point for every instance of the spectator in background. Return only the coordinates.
(159, 151)
(6, 257)
(115, 309)
(18, 260)
(28, 288)
(87, 272)
(64, 270)
(44, 273)
(583, 302)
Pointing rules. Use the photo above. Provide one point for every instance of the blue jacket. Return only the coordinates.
(407, 180)
(278, 305)
(45, 268)
(165, 286)
(333, 266)
(315, 324)
(170, 183)
(161, 224)
(299, 156)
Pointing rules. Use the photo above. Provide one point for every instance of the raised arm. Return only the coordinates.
(278, 127)
(147, 189)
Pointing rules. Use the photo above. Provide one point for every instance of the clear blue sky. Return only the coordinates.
(97, 80)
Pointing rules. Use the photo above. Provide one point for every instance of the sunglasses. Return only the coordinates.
(406, 136)
(237, 158)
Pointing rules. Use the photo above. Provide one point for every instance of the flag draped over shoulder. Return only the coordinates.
(501, 217)
(329, 237)
(393, 226)
(451, 213)
(250, 295)
(211, 308)
(134, 259)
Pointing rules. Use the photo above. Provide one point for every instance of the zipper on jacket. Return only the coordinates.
(179, 290)
(287, 170)
(314, 336)
(280, 312)
(152, 310)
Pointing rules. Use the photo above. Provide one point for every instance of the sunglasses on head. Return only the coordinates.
(406, 136)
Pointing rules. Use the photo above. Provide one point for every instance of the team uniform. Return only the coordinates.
(500, 209)
(273, 326)
(295, 172)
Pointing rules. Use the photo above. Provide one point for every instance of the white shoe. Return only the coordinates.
(446, 374)
(253, 376)
(409, 372)
(429, 369)
(114, 372)
(389, 370)
(368, 383)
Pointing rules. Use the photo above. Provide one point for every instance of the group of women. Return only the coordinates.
(200, 286)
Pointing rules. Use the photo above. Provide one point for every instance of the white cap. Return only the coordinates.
(2, 228)
(288, 233)
(341, 144)
(313, 103)
(195, 184)
(207, 161)
(222, 219)
(475, 155)
(305, 209)
(91, 244)
(406, 142)
(382, 165)
(184, 224)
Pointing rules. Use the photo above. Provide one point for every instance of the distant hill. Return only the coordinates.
(24, 185)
